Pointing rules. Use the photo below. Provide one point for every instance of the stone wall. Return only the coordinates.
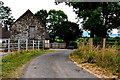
(20, 28)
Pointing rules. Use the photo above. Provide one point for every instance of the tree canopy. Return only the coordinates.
(68, 31)
(98, 17)
(55, 18)
(42, 15)
(59, 26)
(5, 15)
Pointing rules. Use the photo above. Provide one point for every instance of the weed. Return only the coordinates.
(108, 58)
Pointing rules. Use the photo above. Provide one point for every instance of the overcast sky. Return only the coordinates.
(18, 7)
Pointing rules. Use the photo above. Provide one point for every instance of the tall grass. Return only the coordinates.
(108, 58)
(13, 61)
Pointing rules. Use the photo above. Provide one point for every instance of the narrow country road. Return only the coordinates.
(54, 65)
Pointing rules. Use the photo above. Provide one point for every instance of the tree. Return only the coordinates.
(68, 31)
(59, 26)
(5, 15)
(42, 15)
(55, 18)
(99, 18)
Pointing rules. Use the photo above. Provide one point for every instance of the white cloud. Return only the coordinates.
(114, 31)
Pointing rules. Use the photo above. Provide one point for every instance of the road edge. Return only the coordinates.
(83, 67)
(99, 76)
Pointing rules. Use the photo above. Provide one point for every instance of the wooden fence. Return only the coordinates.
(58, 45)
(99, 43)
(13, 45)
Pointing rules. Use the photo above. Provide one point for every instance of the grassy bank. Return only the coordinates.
(108, 59)
(13, 63)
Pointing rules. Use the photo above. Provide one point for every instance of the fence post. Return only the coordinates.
(33, 44)
(83, 43)
(43, 43)
(26, 44)
(104, 40)
(8, 45)
(18, 44)
(38, 44)
(91, 43)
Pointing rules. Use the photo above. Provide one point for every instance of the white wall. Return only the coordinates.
(0, 40)
(0, 43)
(47, 43)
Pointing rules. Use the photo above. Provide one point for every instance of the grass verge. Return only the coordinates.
(13, 63)
(107, 59)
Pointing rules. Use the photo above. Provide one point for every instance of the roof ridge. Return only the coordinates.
(25, 14)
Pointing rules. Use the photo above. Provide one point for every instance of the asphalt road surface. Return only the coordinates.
(54, 65)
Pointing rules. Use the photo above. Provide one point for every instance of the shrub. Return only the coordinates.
(74, 44)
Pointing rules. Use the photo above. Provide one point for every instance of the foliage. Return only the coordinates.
(55, 18)
(13, 61)
(58, 40)
(98, 17)
(97, 41)
(108, 58)
(42, 15)
(5, 15)
(113, 41)
(58, 25)
(68, 31)
(74, 44)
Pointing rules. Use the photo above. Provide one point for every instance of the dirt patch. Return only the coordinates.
(94, 69)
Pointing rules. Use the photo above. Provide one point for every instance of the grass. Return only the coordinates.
(13, 62)
(108, 58)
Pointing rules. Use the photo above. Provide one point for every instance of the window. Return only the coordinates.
(32, 32)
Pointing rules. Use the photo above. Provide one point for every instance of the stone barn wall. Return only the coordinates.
(20, 28)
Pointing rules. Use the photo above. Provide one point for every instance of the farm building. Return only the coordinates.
(4, 36)
(29, 27)
(28, 32)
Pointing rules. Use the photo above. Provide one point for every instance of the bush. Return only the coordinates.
(97, 41)
(74, 44)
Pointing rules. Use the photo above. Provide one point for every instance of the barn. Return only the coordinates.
(4, 36)
(29, 27)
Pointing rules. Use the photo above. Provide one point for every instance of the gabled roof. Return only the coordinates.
(28, 12)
